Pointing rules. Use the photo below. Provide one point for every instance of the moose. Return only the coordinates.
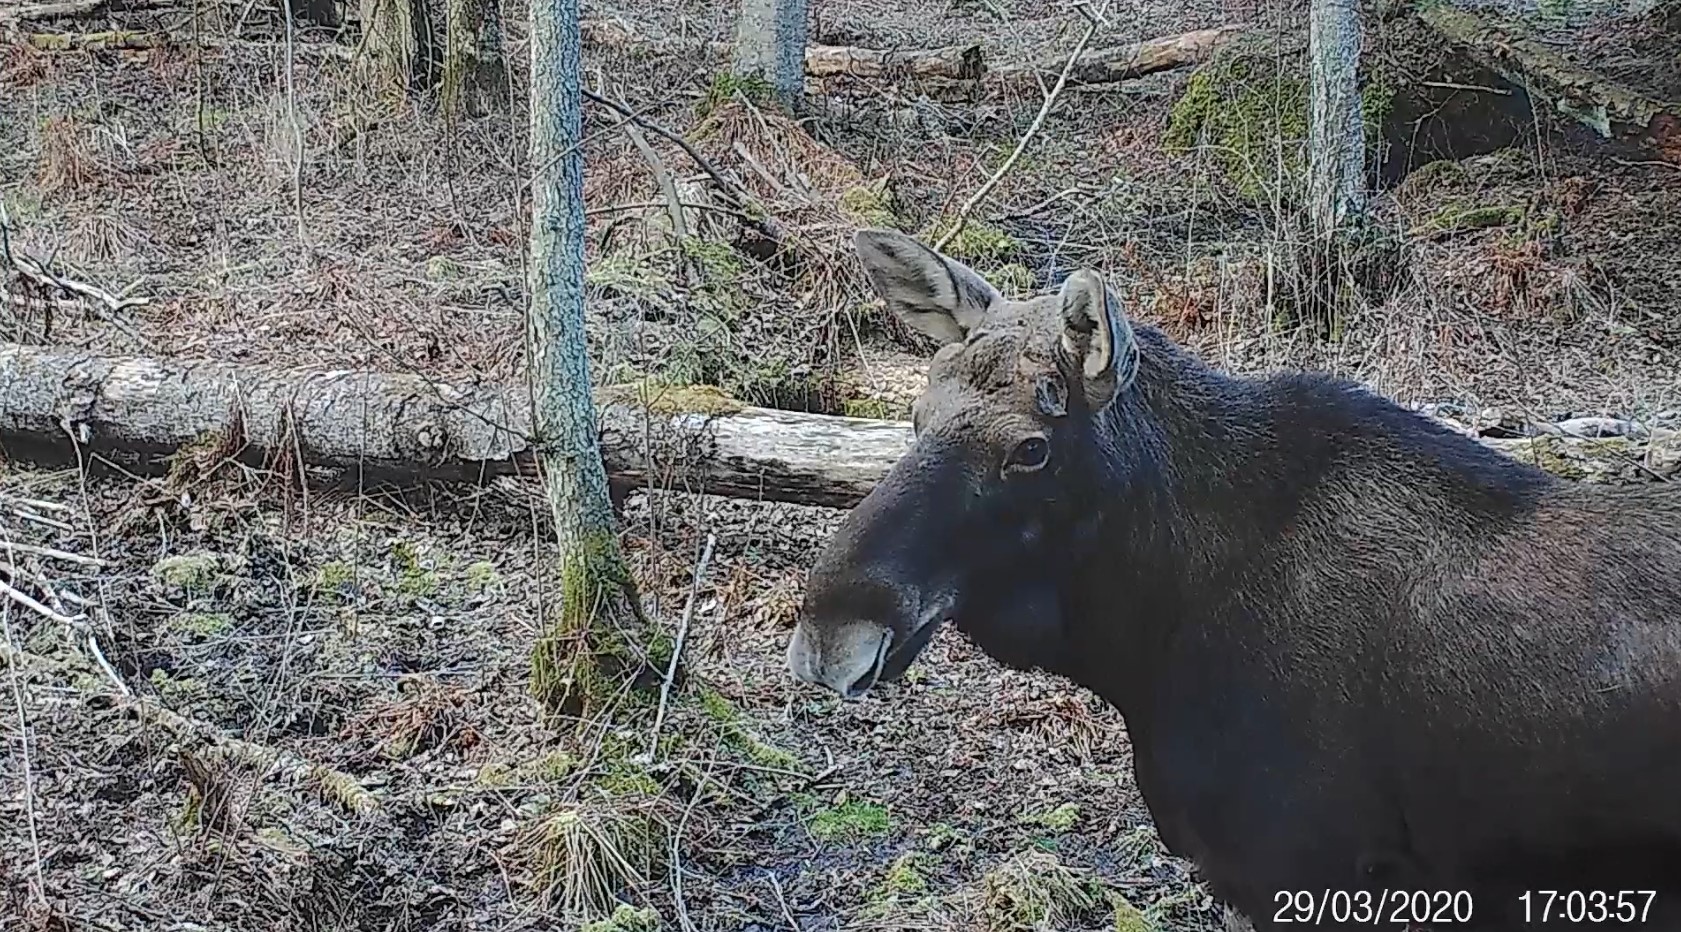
(1357, 654)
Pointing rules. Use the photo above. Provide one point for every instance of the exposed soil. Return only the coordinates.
(387, 638)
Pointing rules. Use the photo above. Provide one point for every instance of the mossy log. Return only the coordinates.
(124, 39)
(1609, 108)
(400, 427)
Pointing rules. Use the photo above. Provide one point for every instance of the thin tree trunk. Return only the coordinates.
(396, 44)
(770, 40)
(1336, 139)
(587, 642)
(475, 79)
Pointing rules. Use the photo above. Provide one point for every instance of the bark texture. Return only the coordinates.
(398, 426)
(396, 44)
(1336, 137)
(586, 643)
(475, 77)
(770, 37)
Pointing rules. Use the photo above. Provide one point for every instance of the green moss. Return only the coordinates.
(495, 774)
(588, 854)
(881, 409)
(413, 578)
(670, 400)
(194, 573)
(580, 658)
(176, 689)
(1129, 919)
(977, 241)
(1254, 116)
(552, 767)
(202, 625)
(1059, 820)
(623, 778)
(626, 918)
(907, 875)
(335, 577)
(631, 276)
(1012, 278)
(443, 268)
(737, 735)
(870, 204)
(850, 821)
(727, 84)
(481, 577)
(1455, 217)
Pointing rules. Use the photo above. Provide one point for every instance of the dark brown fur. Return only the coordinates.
(1353, 649)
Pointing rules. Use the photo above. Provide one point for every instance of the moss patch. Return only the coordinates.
(850, 821)
(727, 84)
(193, 573)
(626, 918)
(735, 732)
(871, 205)
(1058, 820)
(202, 625)
(977, 241)
(1251, 109)
(672, 400)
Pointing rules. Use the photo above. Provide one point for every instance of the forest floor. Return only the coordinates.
(385, 637)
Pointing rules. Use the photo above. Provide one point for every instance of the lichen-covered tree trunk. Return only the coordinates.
(475, 79)
(770, 39)
(590, 640)
(1336, 133)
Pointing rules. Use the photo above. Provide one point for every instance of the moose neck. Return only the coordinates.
(1194, 486)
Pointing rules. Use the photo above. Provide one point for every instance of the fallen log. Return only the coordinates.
(75, 8)
(1609, 108)
(1120, 63)
(956, 62)
(401, 427)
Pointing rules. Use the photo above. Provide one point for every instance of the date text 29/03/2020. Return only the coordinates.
(1447, 907)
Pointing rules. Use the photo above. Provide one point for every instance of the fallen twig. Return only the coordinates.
(677, 649)
(1038, 121)
(45, 279)
(337, 786)
(39, 551)
(28, 601)
(732, 188)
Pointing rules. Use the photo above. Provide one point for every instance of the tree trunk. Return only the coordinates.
(475, 78)
(770, 40)
(592, 638)
(396, 44)
(1336, 137)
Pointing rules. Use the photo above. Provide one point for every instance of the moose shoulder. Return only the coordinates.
(1353, 649)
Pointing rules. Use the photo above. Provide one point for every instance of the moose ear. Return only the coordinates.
(939, 296)
(1097, 338)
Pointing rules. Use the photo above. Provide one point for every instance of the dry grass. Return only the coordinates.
(67, 163)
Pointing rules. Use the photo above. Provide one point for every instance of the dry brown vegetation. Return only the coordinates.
(375, 644)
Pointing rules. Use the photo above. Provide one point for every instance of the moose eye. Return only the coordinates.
(1028, 455)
